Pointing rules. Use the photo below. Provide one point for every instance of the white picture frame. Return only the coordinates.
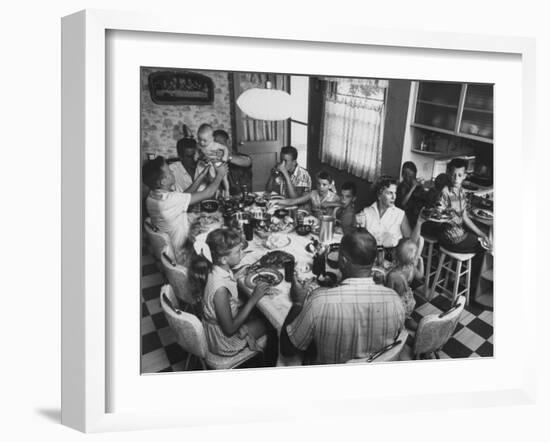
(86, 235)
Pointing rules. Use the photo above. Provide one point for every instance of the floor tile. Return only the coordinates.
(466, 317)
(150, 342)
(152, 280)
(159, 320)
(144, 311)
(486, 349)
(149, 269)
(456, 349)
(175, 353)
(487, 316)
(481, 328)
(151, 292)
(469, 338)
(154, 361)
(147, 325)
(154, 306)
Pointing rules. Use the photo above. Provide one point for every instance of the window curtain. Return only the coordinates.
(353, 126)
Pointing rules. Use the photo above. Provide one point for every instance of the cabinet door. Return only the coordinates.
(437, 105)
(477, 114)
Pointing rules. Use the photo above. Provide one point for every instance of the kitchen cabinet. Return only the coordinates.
(459, 109)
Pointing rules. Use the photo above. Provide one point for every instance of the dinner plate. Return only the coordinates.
(483, 214)
(277, 241)
(442, 217)
(269, 275)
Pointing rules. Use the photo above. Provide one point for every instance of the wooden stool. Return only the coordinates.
(457, 272)
(428, 254)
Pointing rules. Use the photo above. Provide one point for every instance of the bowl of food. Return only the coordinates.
(277, 241)
(327, 279)
(303, 229)
(281, 213)
(333, 255)
(210, 206)
(265, 274)
(261, 201)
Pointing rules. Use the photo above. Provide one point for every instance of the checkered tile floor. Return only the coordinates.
(160, 352)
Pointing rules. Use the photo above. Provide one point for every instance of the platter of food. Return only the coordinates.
(277, 241)
(436, 215)
(275, 259)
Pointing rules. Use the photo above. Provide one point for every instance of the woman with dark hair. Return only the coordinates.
(386, 222)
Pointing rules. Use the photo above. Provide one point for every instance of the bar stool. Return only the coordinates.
(429, 253)
(458, 259)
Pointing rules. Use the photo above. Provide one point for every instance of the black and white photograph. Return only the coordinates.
(292, 220)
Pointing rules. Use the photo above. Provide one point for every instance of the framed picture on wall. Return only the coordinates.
(180, 87)
(106, 384)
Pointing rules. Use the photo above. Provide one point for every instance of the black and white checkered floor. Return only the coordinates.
(160, 352)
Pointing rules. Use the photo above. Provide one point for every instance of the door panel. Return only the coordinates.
(262, 140)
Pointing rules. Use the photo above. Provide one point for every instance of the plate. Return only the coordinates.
(277, 241)
(269, 275)
(436, 216)
(483, 214)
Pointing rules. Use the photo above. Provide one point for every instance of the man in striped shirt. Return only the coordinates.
(353, 320)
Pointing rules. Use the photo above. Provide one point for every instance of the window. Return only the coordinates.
(353, 125)
(299, 91)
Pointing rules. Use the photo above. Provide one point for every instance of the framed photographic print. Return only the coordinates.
(126, 364)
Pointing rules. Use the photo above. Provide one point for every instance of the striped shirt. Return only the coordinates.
(299, 178)
(351, 321)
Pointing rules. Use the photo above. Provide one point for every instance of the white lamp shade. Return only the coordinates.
(265, 104)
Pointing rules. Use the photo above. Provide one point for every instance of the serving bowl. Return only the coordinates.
(281, 213)
(303, 229)
(210, 206)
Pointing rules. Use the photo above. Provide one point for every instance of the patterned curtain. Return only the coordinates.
(353, 125)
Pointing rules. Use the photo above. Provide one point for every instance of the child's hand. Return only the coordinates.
(260, 291)
(298, 291)
(281, 168)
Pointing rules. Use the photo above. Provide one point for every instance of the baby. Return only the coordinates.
(408, 266)
(210, 151)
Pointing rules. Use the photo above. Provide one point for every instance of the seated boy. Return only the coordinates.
(346, 214)
(323, 199)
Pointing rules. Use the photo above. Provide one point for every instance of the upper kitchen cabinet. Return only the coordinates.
(460, 109)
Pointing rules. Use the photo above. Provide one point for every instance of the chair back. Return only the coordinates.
(177, 277)
(435, 330)
(187, 327)
(157, 240)
(389, 353)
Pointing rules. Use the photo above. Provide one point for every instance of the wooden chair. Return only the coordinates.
(389, 353)
(456, 259)
(191, 337)
(435, 330)
(178, 277)
(157, 240)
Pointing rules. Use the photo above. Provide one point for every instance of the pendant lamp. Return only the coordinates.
(265, 104)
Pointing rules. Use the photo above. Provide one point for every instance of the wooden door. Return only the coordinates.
(262, 140)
